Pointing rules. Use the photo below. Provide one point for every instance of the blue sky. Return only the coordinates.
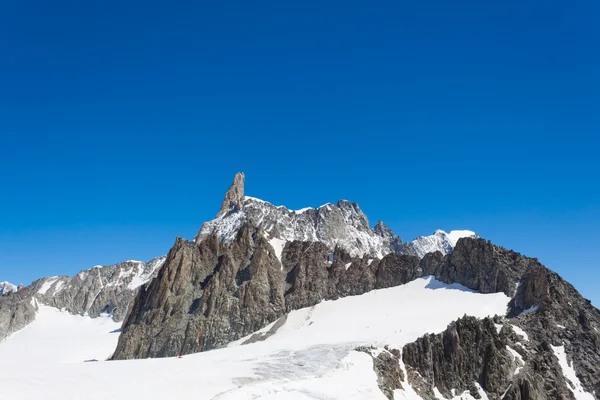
(122, 125)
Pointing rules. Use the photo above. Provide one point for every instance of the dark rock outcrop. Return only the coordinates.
(471, 352)
(211, 293)
(234, 198)
(547, 308)
(386, 364)
(480, 265)
(17, 310)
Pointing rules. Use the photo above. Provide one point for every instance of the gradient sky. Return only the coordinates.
(123, 123)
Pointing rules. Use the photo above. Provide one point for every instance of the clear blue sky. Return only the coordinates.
(123, 123)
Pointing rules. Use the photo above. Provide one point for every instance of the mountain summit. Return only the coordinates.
(342, 224)
(234, 196)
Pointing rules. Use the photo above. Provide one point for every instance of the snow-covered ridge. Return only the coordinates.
(342, 224)
(97, 290)
(439, 241)
(7, 287)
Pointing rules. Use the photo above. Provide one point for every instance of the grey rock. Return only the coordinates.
(470, 350)
(386, 364)
(479, 265)
(100, 290)
(17, 310)
(546, 307)
(234, 197)
(211, 292)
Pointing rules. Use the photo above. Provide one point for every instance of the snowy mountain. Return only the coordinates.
(95, 292)
(271, 303)
(342, 224)
(99, 290)
(439, 241)
(7, 287)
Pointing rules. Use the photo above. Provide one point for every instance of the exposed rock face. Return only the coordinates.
(109, 289)
(547, 308)
(17, 310)
(439, 241)
(469, 351)
(386, 364)
(555, 314)
(474, 353)
(481, 266)
(234, 197)
(390, 240)
(210, 293)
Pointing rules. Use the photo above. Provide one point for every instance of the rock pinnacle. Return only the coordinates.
(234, 198)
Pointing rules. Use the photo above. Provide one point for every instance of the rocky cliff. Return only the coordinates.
(17, 310)
(211, 292)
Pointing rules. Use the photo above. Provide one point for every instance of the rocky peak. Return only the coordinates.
(234, 198)
(383, 230)
(342, 224)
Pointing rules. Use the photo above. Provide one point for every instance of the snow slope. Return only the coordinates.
(308, 355)
(58, 337)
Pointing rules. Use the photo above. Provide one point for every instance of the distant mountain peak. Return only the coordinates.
(439, 241)
(7, 287)
(383, 230)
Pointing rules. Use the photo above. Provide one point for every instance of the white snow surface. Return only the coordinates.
(311, 356)
(569, 374)
(278, 245)
(7, 287)
(57, 337)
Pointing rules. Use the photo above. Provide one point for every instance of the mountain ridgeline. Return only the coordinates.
(100, 290)
(256, 262)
